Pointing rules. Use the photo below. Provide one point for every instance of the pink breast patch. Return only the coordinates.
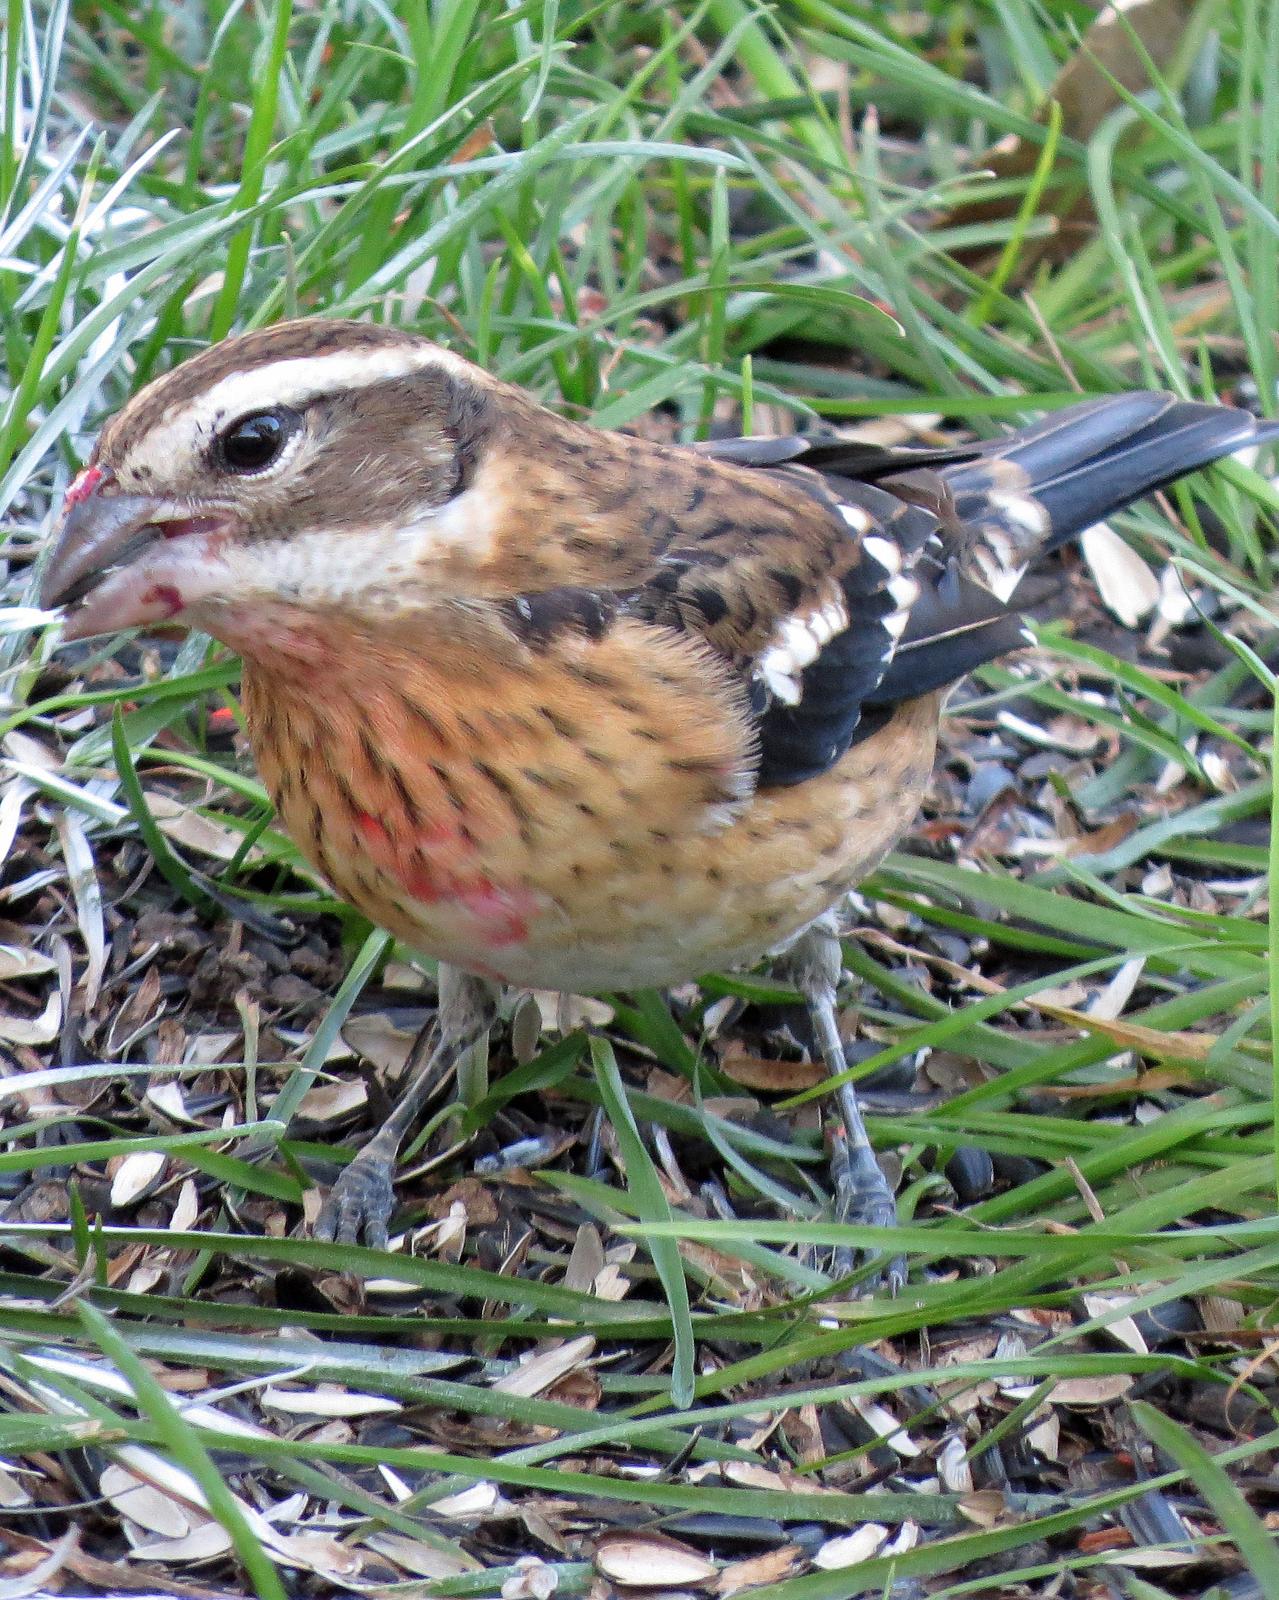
(432, 867)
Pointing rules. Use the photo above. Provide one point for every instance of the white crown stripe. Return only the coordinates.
(296, 381)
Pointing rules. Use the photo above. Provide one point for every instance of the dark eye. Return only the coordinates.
(254, 442)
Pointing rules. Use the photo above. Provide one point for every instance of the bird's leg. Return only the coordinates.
(862, 1193)
(362, 1199)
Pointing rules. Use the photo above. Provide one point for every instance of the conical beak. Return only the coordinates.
(116, 561)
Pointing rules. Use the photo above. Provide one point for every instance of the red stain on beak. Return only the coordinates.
(163, 594)
(86, 483)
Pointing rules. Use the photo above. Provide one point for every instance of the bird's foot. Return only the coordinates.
(863, 1198)
(362, 1200)
(863, 1195)
(360, 1203)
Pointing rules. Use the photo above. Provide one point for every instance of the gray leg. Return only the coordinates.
(362, 1199)
(862, 1193)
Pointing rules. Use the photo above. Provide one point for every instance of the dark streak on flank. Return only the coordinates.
(537, 619)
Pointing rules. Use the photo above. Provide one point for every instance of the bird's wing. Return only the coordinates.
(797, 576)
(806, 580)
(948, 534)
(837, 579)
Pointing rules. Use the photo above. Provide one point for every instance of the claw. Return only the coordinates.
(363, 1198)
(359, 1204)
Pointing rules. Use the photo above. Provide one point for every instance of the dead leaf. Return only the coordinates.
(379, 1040)
(953, 1466)
(186, 1209)
(204, 1543)
(327, 1400)
(884, 1423)
(1132, 1036)
(188, 827)
(538, 1372)
(146, 1505)
(1099, 1391)
(586, 1260)
(611, 1284)
(1128, 588)
(82, 875)
(532, 1579)
(1122, 1329)
(422, 1560)
(985, 1508)
(134, 1174)
(651, 1560)
(850, 1549)
(760, 1072)
(1045, 1434)
(480, 1500)
(37, 1573)
(329, 1102)
(1105, 838)
(1149, 1081)
(1220, 1315)
(769, 1567)
(580, 1388)
(12, 1493)
(1110, 1003)
(1086, 96)
(34, 1030)
(563, 1013)
(18, 961)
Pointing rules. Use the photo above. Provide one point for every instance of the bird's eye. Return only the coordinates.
(255, 442)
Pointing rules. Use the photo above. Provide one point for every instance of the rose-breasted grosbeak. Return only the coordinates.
(567, 709)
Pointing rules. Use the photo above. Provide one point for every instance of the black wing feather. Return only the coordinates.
(801, 741)
(972, 507)
(841, 458)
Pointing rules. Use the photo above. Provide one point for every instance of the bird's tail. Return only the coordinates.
(1029, 493)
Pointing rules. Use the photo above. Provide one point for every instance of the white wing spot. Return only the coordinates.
(999, 579)
(999, 554)
(885, 552)
(857, 519)
(904, 592)
(999, 545)
(1024, 511)
(894, 625)
(780, 682)
(831, 619)
(799, 641)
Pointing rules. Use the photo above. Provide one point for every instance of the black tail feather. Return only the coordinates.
(1033, 491)
(1091, 460)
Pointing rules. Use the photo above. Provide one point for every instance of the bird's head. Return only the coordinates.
(306, 469)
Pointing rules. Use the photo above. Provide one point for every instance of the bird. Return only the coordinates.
(571, 709)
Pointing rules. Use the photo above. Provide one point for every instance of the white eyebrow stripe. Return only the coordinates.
(295, 381)
(176, 442)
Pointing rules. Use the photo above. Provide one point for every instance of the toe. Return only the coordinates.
(359, 1206)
